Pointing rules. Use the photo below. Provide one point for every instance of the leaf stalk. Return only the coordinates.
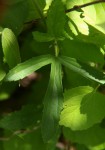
(56, 48)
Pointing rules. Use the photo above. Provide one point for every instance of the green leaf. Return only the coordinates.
(2, 73)
(33, 9)
(27, 67)
(28, 140)
(35, 48)
(75, 17)
(100, 22)
(1, 52)
(83, 69)
(71, 79)
(90, 137)
(83, 107)
(80, 50)
(96, 19)
(98, 147)
(26, 117)
(1, 29)
(71, 115)
(42, 37)
(10, 47)
(81, 147)
(56, 19)
(95, 36)
(53, 103)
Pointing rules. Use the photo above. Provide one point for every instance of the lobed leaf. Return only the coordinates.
(83, 69)
(10, 47)
(27, 67)
(53, 102)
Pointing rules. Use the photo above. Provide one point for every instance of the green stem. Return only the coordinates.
(39, 11)
(56, 48)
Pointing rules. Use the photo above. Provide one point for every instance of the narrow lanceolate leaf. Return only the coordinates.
(26, 68)
(56, 18)
(52, 103)
(2, 73)
(42, 37)
(83, 107)
(83, 69)
(10, 48)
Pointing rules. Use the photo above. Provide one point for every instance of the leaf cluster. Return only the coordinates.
(58, 58)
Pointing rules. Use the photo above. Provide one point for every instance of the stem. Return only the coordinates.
(76, 7)
(39, 11)
(56, 48)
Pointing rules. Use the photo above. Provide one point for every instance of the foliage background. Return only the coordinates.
(57, 62)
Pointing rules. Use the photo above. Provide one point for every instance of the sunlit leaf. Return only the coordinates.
(83, 69)
(10, 48)
(83, 107)
(98, 147)
(93, 15)
(27, 67)
(95, 36)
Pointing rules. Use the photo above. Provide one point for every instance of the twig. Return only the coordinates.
(76, 7)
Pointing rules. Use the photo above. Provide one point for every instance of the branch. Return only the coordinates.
(76, 7)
